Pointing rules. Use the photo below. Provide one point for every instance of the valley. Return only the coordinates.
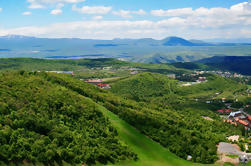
(156, 119)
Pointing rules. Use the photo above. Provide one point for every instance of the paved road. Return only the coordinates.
(227, 148)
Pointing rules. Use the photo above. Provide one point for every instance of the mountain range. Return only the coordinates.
(170, 49)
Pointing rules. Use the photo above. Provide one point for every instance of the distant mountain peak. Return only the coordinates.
(176, 41)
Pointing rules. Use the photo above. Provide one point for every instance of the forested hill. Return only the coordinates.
(180, 127)
(149, 86)
(239, 64)
(48, 117)
(41, 121)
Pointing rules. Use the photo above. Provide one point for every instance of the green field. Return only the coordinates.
(249, 86)
(149, 152)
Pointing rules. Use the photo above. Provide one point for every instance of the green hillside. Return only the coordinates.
(52, 118)
(143, 86)
(149, 152)
(49, 123)
(45, 122)
(226, 87)
(181, 129)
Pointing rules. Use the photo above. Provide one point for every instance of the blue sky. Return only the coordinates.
(107, 19)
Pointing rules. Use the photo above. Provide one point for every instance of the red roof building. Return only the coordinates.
(243, 122)
(220, 111)
(249, 118)
(104, 86)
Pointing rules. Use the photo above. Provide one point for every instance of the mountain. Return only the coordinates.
(171, 49)
(176, 41)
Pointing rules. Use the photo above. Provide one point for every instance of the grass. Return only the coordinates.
(149, 152)
(249, 86)
(228, 164)
(232, 156)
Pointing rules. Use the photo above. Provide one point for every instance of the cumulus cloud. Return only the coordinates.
(233, 22)
(97, 17)
(238, 10)
(101, 29)
(92, 9)
(172, 12)
(58, 10)
(39, 4)
(26, 13)
(128, 13)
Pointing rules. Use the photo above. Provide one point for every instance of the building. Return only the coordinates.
(134, 72)
(94, 82)
(202, 79)
(104, 86)
(241, 118)
(107, 68)
(171, 76)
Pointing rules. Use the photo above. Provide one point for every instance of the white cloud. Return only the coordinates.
(36, 6)
(97, 17)
(26, 13)
(233, 22)
(172, 12)
(235, 10)
(1, 9)
(128, 13)
(92, 9)
(101, 29)
(39, 4)
(56, 11)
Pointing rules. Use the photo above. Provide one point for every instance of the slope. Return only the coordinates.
(239, 64)
(181, 129)
(45, 122)
(149, 152)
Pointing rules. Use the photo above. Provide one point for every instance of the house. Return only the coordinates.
(104, 86)
(107, 68)
(94, 82)
(243, 122)
(202, 79)
(221, 111)
(234, 114)
(134, 72)
(228, 111)
(249, 118)
(187, 84)
(171, 76)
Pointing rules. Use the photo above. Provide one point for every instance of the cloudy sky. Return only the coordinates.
(108, 19)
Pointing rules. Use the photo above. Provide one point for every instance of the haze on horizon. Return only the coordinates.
(109, 19)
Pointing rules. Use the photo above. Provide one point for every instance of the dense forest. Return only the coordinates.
(239, 64)
(48, 117)
(41, 121)
(181, 129)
